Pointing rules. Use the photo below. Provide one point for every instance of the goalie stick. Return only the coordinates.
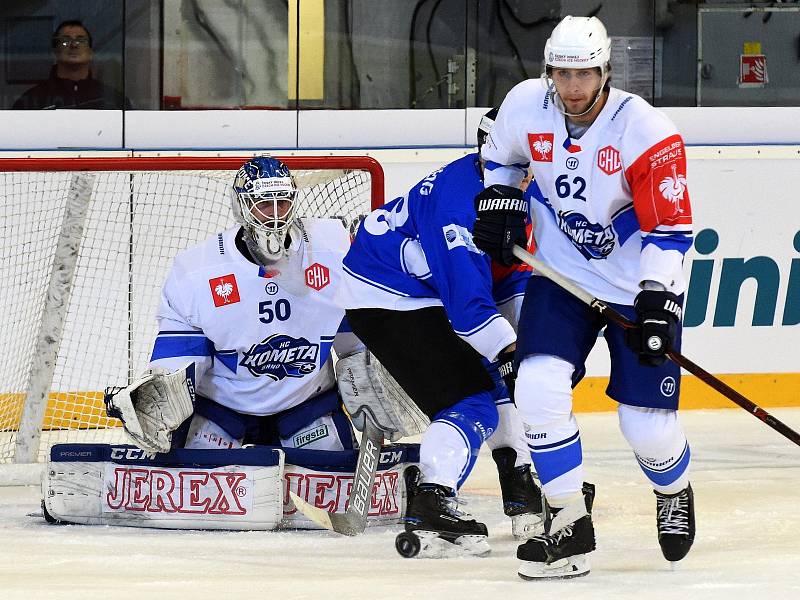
(676, 357)
(354, 520)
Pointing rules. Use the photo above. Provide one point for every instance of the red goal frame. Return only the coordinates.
(199, 163)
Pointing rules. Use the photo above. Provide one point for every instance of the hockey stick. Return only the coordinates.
(676, 357)
(354, 520)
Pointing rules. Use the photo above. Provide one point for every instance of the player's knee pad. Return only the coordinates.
(447, 454)
(450, 445)
(650, 431)
(206, 434)
(544, 389)
(475, 415)
(660, 446)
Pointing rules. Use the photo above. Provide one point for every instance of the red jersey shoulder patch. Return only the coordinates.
(541, 146)
(658, 184)
(224, 290)
(317, 276)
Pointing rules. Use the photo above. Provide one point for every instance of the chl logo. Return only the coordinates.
(608, 160)
(317, 276)
(280, 356)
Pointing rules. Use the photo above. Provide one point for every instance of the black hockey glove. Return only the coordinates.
(502, 216)
(505, 365)
(657, 318)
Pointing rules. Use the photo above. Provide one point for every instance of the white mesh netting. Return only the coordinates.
(135, 224)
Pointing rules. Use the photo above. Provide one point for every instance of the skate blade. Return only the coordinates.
(566, 568)
(526, 526)
(433, 546)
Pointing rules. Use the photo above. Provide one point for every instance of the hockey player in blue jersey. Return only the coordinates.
(236, 308)
(421, 297)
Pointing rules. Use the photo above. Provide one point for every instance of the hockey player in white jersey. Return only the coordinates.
(612, 213)
(254, 312)
(422, 298)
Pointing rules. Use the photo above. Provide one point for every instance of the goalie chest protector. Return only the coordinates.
(261, 336)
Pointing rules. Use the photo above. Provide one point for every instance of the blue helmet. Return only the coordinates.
(264, 194)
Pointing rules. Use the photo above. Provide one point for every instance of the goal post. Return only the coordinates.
(86, 244)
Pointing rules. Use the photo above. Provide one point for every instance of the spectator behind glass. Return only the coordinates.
(70, 84)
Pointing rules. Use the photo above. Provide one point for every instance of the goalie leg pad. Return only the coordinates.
(369, 390)
(122, 485)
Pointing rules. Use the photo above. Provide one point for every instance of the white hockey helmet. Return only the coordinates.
(578, 43)
(263, 200)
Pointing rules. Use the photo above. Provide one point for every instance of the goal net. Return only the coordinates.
(86, 244)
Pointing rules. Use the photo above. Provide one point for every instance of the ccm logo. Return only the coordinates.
(130, 454)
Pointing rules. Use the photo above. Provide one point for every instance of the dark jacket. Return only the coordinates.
(55, 92)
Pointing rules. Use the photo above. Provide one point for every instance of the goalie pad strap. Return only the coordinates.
(368, 389)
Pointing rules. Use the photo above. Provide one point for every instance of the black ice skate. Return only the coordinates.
(675, 521)
(522, 498)
(434, 527)
(561, 552)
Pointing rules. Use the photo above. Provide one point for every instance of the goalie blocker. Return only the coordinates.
(368, 390)
(241, 489)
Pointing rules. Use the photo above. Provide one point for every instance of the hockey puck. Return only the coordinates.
(407, 544)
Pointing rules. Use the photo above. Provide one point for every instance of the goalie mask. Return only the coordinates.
(263, 199)
(578, 43)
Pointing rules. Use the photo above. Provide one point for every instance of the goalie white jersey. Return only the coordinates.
(261, 338)
(612, 207)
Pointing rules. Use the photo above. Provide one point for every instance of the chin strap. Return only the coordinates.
(559, 104)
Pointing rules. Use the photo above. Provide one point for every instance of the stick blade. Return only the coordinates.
(354, 520)
(338, 522)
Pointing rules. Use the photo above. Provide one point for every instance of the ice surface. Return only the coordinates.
(746, 479)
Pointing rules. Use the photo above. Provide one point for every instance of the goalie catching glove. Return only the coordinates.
(370, 392)
(502, 215)
(152, 407)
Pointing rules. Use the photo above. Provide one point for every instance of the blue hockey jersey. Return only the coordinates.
(417, 251)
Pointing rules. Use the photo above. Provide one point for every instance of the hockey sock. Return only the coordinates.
(451, 443)
(659, 444)
(510, 432)
(544, 399)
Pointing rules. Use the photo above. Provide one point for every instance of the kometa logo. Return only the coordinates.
(281, 356)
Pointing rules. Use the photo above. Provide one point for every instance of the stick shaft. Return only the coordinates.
(678, 358)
